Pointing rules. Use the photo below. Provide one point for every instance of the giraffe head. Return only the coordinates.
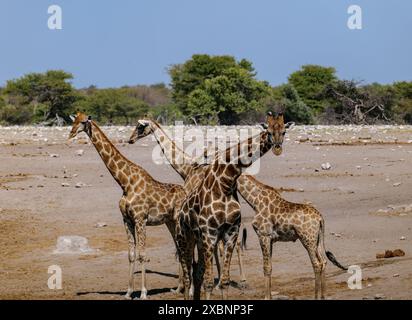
(276, 128)
(81, 122)
(142, 130)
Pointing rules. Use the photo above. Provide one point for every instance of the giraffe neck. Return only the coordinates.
(248, 151)
(250, 189)
(111, 157)
(177, 158)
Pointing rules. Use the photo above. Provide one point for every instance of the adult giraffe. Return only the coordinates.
(145, 201)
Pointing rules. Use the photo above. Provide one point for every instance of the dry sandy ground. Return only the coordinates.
(367, 166)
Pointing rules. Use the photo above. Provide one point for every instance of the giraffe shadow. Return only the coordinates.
(165, 274)
(135, 294)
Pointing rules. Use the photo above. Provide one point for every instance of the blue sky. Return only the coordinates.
(126, 42)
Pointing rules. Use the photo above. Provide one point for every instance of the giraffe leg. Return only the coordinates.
(239, 251)
(240, 262)
(180, 286)
(140, 230)
(217, 259)
(185, 254)
(132, 255)
(198, 273)
(230, 242)
(206, 263)
(318, 264)
(322, 261)
(265, 242)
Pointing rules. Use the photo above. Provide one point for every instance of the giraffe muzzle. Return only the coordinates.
(277, 150)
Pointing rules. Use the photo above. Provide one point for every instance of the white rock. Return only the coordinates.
(379, 296)
(72, 245)
(80, 185)
(396, 275)
(402, 238)
(79, 152)
(397, 184)
(65, 184)
(101, 224)
(326, 166)
(54, 155)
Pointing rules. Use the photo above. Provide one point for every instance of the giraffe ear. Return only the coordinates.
(72, 118)
(89, 118)
(143, 123)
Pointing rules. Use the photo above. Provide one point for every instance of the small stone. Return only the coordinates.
(80, 185)
(358, 167)
(280, 297)
(379, 296)
(396, 275)
(402, 238)
(274, 293)
(54, 155)
(65, 184)
(101, 224)
(326, 166)
(79, 152)
(397, 184)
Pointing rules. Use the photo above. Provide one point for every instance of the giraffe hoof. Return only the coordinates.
(128, 296)
(178, 290)
(143, 295)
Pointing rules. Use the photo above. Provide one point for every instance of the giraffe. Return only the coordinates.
(189, 170)
(277, 219)
(211, 212)
(145, 201)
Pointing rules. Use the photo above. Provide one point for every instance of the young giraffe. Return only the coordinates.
(277, 219)
(211, 212)
(145, 201)
(190, 171)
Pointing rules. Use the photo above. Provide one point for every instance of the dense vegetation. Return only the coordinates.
(209, 90)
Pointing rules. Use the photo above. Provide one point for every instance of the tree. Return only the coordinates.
(211, 89)
(112, 105)
(47, 93)
(352, 103)
(403, 104)
(294, 108)
(310, 82)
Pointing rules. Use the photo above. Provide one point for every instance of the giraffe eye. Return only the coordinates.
(283, 133)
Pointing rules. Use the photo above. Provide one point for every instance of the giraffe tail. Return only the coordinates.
(244, 237)
(329, 254)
